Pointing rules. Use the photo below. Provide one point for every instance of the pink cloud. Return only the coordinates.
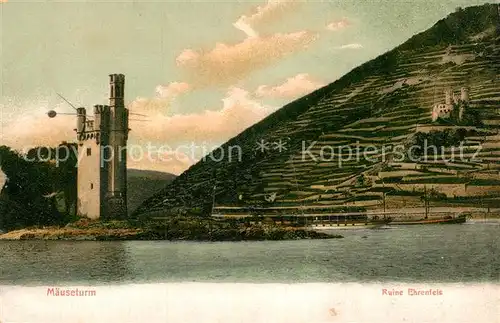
(186, 56)
(206, 129)
(272, 10)
(227, 64)
(35, 128)
(239, 111)
(293, 87)
(148, 105)
(337, 25)
(172, 90)
(165, 94)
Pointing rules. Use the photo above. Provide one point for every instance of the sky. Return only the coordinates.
(202, 71)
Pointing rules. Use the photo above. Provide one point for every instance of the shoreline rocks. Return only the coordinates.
(191, 232)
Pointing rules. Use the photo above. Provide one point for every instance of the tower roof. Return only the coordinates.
(116, 78)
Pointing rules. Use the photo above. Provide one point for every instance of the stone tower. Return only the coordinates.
(102, 153)
(464, 94)
(448, 97)
(464, 101)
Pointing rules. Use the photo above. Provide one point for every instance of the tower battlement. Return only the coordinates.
(101, 109)
(102, 167)
(116, 86)
(117, 78)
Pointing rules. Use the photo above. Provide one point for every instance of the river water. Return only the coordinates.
(431, 253)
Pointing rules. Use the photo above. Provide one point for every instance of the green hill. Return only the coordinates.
(385, 102)
(141, 184)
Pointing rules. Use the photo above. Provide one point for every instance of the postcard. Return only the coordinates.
(249, 161)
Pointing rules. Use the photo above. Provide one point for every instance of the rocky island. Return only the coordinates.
(196, 229)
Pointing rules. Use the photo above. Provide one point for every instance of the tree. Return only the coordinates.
(431, 195)
(360, 180)
(28, 196)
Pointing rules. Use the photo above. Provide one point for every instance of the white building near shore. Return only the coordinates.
(3, 179)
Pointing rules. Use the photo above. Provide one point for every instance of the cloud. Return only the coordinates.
(172, 90)
(179, 141)
(351, 46)
(338, 25)
(239, 111)
(148, 105)
(271, 11)
(165, 94)
(293, 87)
(227, 64)
(205, 130)
(187, 56)
(34, 128)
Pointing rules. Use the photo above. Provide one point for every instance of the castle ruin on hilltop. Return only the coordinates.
(451, 105)
(102, 166)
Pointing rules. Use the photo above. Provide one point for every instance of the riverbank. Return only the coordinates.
(56, 233)
(174, 229)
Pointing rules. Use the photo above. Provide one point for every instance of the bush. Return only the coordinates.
(27, 198)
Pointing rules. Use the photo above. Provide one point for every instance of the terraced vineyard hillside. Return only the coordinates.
(384, 103)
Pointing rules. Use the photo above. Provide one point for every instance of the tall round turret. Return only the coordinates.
(448, 95)
(101, 124)
(81, 118)
(102, 157)
(97, 116)
(117, 89)
(118, 134)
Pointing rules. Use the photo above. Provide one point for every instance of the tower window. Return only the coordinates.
(91, 186)
(89, 151)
